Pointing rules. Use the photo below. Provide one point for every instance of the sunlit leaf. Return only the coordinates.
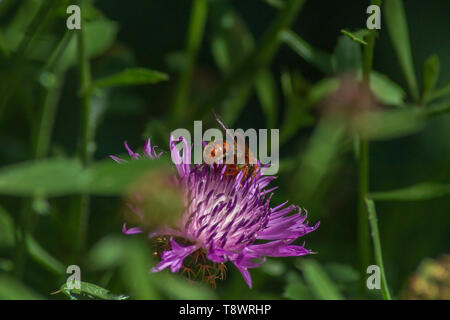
(90, 290)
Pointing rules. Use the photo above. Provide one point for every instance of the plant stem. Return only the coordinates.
(50, 104)
(41, 138)
(377, 247)
(363, 223)
(363, 171)
(85, 84)
(197, 23)
(31, 31)
(86, 135)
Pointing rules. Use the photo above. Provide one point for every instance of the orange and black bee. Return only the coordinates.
(215, 152)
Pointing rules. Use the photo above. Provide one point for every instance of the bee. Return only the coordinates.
(215, 152)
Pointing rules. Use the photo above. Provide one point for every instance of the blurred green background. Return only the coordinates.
(144, 68)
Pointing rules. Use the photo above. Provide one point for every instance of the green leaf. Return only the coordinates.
(109, 178)
(417, 192)
(394, 13)
(298, 112)
(260, 57)
(197, 22)
(50, 177)
(176, 287)
(275, 3)
(430, 76)
(321, 155)
(100, 35)
(266, 90)
(354, 37)
(12, 289)
(434, 109)
(342, 273)
(346, 56)
(377, 246)
(441, 92)
(107, 253)
(129, 77)
(57, 177)
(389, 124)
(231, 42)
(39, 254)
(318, 281)
(90, 290)
(7, 233)
(296, 289)
(135, 272)
(385, 90)
(318, 58)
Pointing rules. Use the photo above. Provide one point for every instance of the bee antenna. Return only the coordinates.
(219, 120)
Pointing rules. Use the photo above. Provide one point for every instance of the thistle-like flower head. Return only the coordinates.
(226, 218)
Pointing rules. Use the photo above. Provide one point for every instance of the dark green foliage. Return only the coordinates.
(139, 69)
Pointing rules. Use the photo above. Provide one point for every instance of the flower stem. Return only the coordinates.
(363, 171)
(377, 247)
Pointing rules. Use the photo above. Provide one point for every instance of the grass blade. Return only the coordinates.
(319, 282)
(319, 59)
(430, 76)
(398, 31)
(417, 192)
(377, 247)
(129, 77)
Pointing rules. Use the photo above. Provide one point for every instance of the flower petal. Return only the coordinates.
(174, 258)
(134, 230)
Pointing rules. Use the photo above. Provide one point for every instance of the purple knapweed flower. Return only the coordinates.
(226, 218)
